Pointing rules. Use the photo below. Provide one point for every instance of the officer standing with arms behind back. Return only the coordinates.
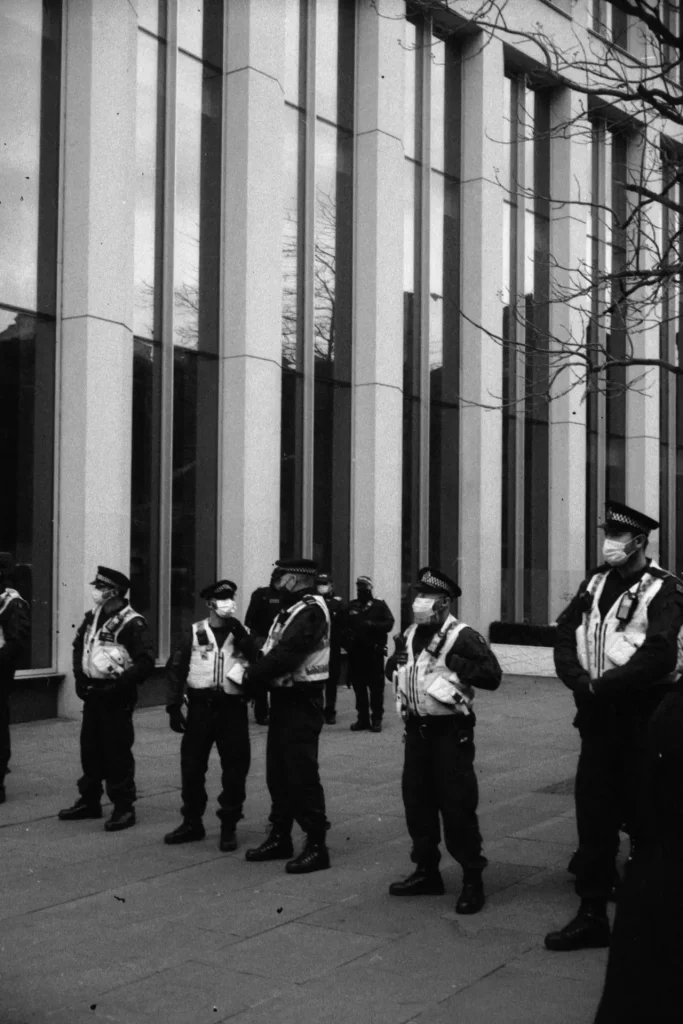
(208, 666)
(14, 636)
(112, 655)
(437, 662)
(335, 606)
(294, 665)
(616, 649)
(368, 623)
(263, 607)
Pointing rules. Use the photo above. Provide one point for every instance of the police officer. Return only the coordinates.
(616, 649)
(263, 607)
(14, 635)
(112, 655)
(335, 607)
(366, 628)
(294, 665)
(209, 666)
(437, 663)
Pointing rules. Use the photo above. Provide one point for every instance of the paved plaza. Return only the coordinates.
(119, 927)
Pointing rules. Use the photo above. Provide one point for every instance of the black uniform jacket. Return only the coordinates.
(178, 665)
(15, 625)
(650, 664)
(136, 639)
(366, 626)
(337, 610)
(301, 637)
(263, 607)
(470, 656)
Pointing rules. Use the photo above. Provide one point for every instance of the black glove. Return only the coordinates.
(583, 691)
(176, 718)
(82, 686)
(400, 649)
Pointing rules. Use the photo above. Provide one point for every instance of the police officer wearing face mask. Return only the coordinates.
(264, 606)
(294, 666)
(367, 625)
(617, 650)
(335, 607)
(112, 655)
(436, 665)
(208, 667)
(14, 640)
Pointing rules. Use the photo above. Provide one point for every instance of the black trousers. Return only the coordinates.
(107, 737)
(220, 719)
(332, 684)
(608, 796)
(366, 671)
(5, 743)
(439, 782)
(292, 773)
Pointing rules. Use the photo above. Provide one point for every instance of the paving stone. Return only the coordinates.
(294, 952)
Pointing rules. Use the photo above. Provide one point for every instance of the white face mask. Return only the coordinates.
(323, 590)
(100, 597)
(423, 610)
(615, 551)
(224, 609)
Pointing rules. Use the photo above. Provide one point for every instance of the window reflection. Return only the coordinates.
(145, 463)
(149, 151)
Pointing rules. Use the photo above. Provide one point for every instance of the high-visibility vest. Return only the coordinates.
(213, 667)
(8, 595)
(421, 679)
(315, 667)
(610, 642)
(104, 657)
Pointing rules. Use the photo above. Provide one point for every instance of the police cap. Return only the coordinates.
(221, 590)
(106, 578)
(296, 566)
(431, 581)
(620, 516)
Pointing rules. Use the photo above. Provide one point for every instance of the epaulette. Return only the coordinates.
(664, 574)
(309, 599)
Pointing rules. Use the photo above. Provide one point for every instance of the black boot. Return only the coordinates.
(422, 882)
(376, 725)
(330, 716)
(588, 930)
(81, 809)
(188, 832)
(314, 857)
(359, 725)
(228, 841)
(121, 817)
(471, 899)
(277, 846)
(3, 793)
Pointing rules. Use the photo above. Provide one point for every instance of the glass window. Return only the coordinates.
(192, 329)
(30, 45)
(295, 19)
(593, 398)
(617, 342)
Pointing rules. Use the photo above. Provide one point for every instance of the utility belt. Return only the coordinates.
(438, 725)
(214, 696)
(300, 693)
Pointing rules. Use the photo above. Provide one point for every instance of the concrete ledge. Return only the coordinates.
(517, 660)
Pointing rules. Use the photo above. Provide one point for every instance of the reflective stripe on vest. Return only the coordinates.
(103, 656)
(8, 595)
(602, 644)
(315, 667)
(210, 665)
(415, 677)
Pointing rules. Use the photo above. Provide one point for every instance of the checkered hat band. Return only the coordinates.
(431, 581)
(621, 517)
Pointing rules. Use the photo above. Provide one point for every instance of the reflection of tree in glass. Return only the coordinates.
(324, 282)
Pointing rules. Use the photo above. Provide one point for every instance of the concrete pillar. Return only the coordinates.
(570, 186)
(251, 376)
(642, 398)
(96, 366)
(484, 130)
(378, 299)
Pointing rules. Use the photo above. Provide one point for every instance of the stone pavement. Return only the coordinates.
(99, 927)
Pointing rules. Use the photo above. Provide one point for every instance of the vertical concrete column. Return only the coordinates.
(569, 188)
(96, 369)
(484, 132)
(249, 479)
(378, 300)
(642, 398)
